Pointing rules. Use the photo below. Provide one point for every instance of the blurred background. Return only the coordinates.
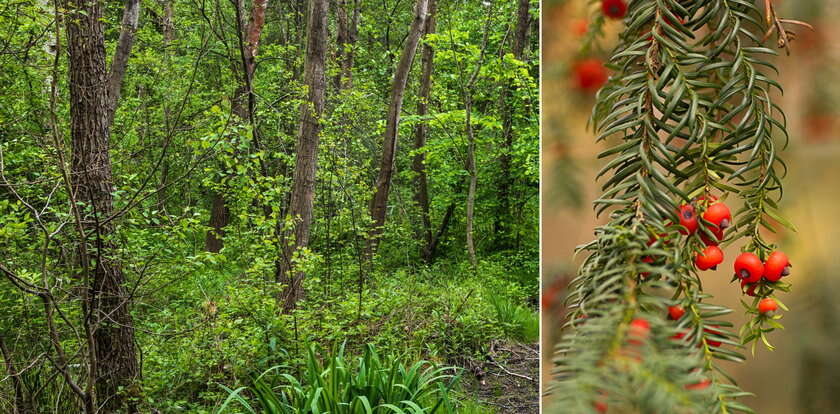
(803, 374)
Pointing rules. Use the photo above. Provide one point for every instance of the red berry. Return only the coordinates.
(662, 236)
(614, 9)
(680, 335)
(776, 266)
(749, 267)
(590, 74)
(719, 215)
(718, 232)
(709, 258)
(579, 27)
(675, 312)
(767, 305)
(600, 406)
(638, 331)
(649, 260)
(699, 386)
(549, 296)
(711, 342)
(688, 219)
(750, 287)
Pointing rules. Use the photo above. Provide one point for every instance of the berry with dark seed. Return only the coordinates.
(776, 266)
(688, 219)
(614, 9)
(749, 267)
(719, 215)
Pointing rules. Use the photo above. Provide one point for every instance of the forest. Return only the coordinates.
(243, 206)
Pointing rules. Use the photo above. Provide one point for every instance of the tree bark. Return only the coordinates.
(421, 131)
(119, 63)
(471, 168)
(348, 32)
(306, 158)
(379, 203)
(503, 217)
(168, 22)
(21, 404)
(219, 217)
(243, 104)
(430, 252)
(113, 328)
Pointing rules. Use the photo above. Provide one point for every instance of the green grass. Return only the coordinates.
(519, 322)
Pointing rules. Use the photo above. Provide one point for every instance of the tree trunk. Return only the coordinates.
(503, 217)
(430, 251)
(420, 135)
(306, 158)
(219, 216)
(168, 22)
(113, 328)
(119, 63)
(21, 404)
(471, 168)
(243, 103)
(348, 32)
(168, 28)
(379, 203)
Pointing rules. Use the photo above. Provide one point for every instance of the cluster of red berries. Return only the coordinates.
(752, 272)
(719, 217)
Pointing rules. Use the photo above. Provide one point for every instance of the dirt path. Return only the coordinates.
(508, 379)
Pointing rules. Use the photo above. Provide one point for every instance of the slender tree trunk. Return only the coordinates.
(431, 249)
(113, 328)
(119, 63)
(421, 132)
(348, 32)
(21, 404)
(503, 217)
(219, 217)
(243, 103)
(306, 158)
(168, 36)
(379, 203)
(471, 168)
(168, 22)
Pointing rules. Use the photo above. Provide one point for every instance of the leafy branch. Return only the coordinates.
(689, 113)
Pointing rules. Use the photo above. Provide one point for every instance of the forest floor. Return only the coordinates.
(509, 379)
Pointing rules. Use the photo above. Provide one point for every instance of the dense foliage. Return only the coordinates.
(203, 149)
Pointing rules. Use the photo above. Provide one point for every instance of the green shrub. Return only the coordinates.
(519, 322)
(373, 386)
